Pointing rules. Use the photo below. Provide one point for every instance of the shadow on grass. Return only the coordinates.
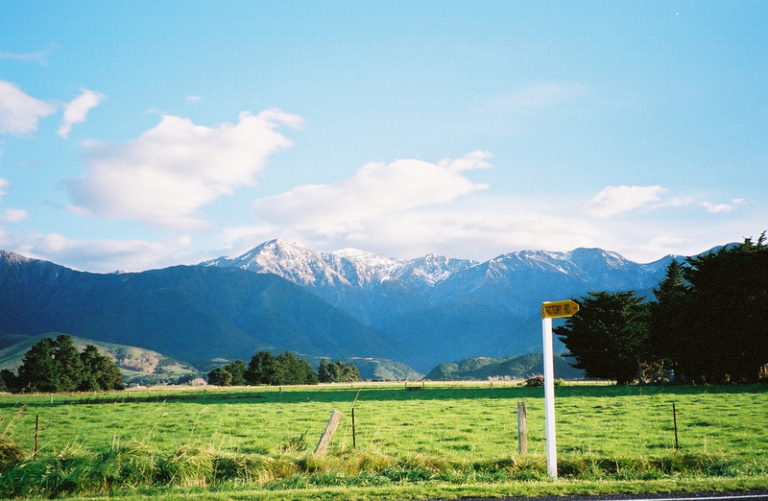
(323, 394)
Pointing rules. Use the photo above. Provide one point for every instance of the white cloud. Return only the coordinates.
(374, 190)
(77, 110)
(709, 206)
(40, 57)
(99, 255)
(20, 113)
(172, 170)
(475, 226)
(3, 184)
(613, 200)
(541, 95)
(193, 99)
(13, 215)
(715, 208)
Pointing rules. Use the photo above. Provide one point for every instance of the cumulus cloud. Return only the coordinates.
(475, 225)
(375, 189)
(172, 170)
(19, 112)
(99, 255)
(3, 185)
(613, 200)
(13, 215)
(710, 207)
(77, 110)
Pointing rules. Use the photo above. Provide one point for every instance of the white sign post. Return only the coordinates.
(550, 310)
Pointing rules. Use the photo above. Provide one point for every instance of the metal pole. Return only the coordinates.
(549, 396)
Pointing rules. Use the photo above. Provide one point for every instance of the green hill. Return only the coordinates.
(520, 367)
(381, 369)
(186, 312)
(138, 365)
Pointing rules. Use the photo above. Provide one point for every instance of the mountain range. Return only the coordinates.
(444, 308)
(341, 304)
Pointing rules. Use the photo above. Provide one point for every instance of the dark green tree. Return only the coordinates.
(327, 372)
(727, 314)
(337, 372)
(38, 370)
(289, 369)
(237, 369)
(220, 377)
(349, 373)
(8, 381)
(100, 372)
(229, 375)
(69, 367)
(608, 337)
(261, 369)
(55, 365)
(669, 333)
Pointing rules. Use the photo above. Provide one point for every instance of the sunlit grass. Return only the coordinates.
(462, 434)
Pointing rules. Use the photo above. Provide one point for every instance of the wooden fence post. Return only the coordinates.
(37, 432)
(354, 437)
(674, 419)
(330, 428)
(522, 429)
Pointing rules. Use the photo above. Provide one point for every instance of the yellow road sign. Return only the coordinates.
(559, 309)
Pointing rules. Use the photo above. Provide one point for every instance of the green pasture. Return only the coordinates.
(462, 438)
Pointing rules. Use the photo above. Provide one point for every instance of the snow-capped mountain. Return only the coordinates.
(345, 267)
(445, 308)
(438, 279)
(347, 303)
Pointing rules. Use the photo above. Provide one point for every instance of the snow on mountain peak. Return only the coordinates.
(356, 268)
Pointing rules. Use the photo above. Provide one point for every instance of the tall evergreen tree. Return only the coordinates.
(608, 337)
(69, 367)
(237, 369)
(220, 377)
(38, 370)
(289, 369)
(669, 333)
(729, 301)
(100, 372)
(327, 372)
(261, 369)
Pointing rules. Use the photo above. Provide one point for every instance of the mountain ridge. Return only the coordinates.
(187, 312)
(346, 303)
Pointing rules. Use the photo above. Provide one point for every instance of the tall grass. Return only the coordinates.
(76, 470)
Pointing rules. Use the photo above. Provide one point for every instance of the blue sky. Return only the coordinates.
(136, 135)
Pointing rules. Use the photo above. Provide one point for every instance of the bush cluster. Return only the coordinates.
(54, 365)
(337, 372)
(265, 368)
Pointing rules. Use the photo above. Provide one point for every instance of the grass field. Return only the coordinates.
(442, 440)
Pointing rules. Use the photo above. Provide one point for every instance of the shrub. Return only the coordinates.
(537, 380)
(10, 453)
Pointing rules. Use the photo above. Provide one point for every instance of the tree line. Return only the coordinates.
(54, 365)
(708, 323)
(283, 369)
